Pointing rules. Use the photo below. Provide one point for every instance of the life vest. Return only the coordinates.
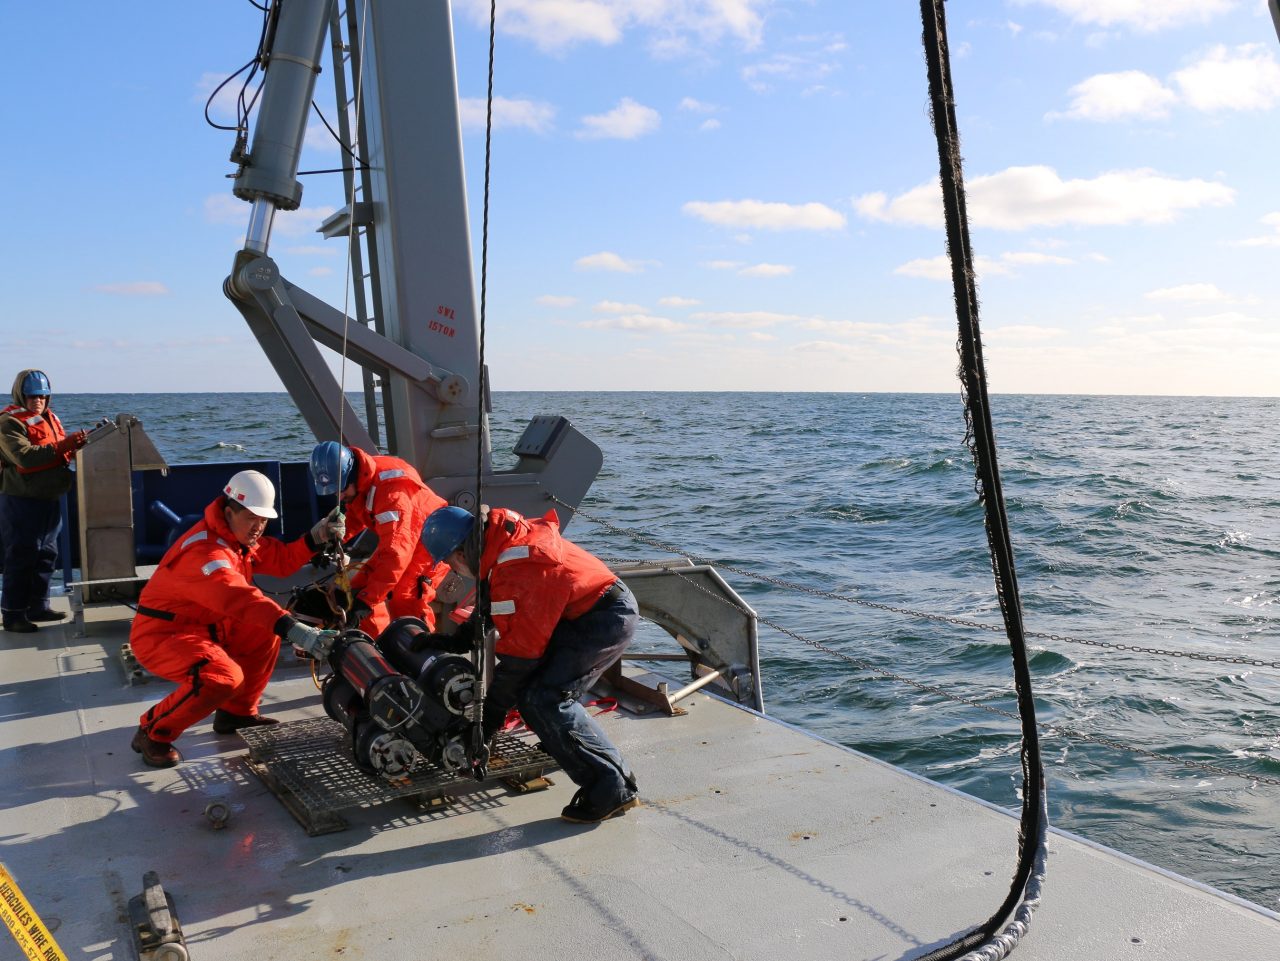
(43, 430)
(392, 500)
(536, 579)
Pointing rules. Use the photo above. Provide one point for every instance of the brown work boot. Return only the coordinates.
(224, 722)
(581, 811)
(154, 753)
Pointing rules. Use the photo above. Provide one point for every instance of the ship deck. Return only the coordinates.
(756, 840)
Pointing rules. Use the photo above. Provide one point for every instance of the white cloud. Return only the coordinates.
(1128, 95)
(793, 68)
(678, 302)
(697, 106)
(226, 209)
(1145, 15)
(303, 222)
(627, 121)
(1034, 258)
(607, 260)
(767, 270)
(137, 288)
(531, 114)
(634, 322)
(747, 319)
(760, 215)
(722, 264)
(1196, 294)
(223, 107)
(1247, 78)
(556, 25)
(554, 300)
(1271, 220)
(318, 137)
(1021, 333)
(613, 307)
(711, 123)
(939, 268)
(823, 348)
(1023, 197)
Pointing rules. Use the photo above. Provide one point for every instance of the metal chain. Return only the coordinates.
(1045, 729)
(923, 615)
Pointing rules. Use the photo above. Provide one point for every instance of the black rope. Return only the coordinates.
(980, 437)
(482, 595)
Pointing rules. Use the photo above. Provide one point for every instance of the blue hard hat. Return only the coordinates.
(331, 466)
(36, 384)
(445, 531)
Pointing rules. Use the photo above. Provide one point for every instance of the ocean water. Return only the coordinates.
(1148, 521)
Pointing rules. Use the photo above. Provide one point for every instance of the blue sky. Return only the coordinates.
(698, 194)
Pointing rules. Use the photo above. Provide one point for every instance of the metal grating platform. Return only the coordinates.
(308, 766)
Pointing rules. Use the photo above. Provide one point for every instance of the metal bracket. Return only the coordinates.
(157, 936)
(134, 672)
(119, 591)
(643, 694)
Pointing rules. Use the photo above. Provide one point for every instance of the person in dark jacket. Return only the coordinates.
(35, 471)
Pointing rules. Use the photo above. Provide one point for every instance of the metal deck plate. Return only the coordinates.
(755, 841)
(308, 766)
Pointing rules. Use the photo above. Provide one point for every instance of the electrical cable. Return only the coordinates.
(343, 578)
(364, 165)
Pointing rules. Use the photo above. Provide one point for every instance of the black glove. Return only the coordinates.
(359, 611)
(494, 718)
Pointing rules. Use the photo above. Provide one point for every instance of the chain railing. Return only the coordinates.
(642, 538)
(1047, 730)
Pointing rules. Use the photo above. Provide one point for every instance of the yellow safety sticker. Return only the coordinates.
(23, 923)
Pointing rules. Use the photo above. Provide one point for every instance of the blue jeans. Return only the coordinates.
(29, 528)
(547, 689)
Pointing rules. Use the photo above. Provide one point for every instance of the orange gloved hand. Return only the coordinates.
(71, 443)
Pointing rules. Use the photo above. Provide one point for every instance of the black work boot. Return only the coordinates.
(18, 623)
(45, 616)
(224, 722)
(154, 753)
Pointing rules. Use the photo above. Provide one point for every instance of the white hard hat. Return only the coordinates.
(253, 491)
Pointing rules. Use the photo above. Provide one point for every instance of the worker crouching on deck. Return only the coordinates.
(562, 617)
(203, 625)
(386, 495)
(35, 458)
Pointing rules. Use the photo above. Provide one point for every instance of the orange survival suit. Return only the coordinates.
(203, 625)
(399, 579)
